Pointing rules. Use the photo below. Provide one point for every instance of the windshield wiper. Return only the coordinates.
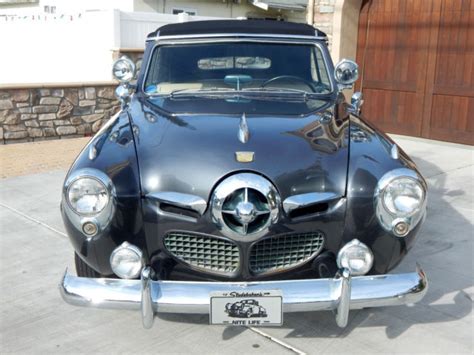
(268, 93)
(279, 90)
(206, 91)
(288, 91)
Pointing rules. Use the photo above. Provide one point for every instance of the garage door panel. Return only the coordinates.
(417, 61)
(391, 86)
(466, 112)
(450, 22)
(460, 113)
(453, 84)
(391, 52)
(372, 103)
(468, 77)
(455, 119)
(374, 41)
(415, 40)
(401, 111)
(453, 46)
(392, 109)
(463, 47)
(470, 121)
(452, 115)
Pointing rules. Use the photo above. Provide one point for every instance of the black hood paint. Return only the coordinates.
(191, 153)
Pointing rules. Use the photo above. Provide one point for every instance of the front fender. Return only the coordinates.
(111, 151)
(370, 158)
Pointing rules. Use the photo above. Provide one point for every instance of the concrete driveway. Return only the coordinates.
(35, 251)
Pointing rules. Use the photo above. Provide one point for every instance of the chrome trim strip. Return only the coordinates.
(244, 132)
(296, 201)
(92, 152)
(298, 295)
(220, 35)
(394, 152)
(188, 201)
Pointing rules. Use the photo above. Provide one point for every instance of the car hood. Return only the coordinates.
(191, 153)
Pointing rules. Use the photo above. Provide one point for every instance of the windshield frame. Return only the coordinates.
(179, 41)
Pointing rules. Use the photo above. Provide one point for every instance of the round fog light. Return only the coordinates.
(356, 257)
(126, 261)
(89, 228)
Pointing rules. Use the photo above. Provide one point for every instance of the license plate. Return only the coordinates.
(250, 308)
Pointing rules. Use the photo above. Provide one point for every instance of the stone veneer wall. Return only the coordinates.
(30, 114)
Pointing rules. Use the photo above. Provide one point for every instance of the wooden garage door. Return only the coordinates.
(417, 64)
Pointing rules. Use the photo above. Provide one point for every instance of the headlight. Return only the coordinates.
(403, 196)
(356, 257)
(400, 200)
(87, 196)
(89, 200)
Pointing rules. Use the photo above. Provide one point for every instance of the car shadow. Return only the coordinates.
(445, 301)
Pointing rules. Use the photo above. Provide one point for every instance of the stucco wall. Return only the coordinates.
(340, 20)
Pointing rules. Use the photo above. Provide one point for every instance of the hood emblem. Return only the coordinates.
(244, 133)
(244, 157)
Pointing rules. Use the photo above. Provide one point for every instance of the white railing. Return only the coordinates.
(134, 26)
(72, 48)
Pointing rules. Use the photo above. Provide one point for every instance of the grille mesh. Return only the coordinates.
(284, 251)
(202, 251)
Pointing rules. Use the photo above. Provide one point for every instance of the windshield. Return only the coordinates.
(220, 68)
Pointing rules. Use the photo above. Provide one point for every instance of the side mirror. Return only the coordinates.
(357, 100)
(346, 73)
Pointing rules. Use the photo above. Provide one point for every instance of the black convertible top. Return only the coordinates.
(237, 26)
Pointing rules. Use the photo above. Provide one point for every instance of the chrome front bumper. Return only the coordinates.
(339, 294)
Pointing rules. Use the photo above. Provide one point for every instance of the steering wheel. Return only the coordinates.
(288, 77)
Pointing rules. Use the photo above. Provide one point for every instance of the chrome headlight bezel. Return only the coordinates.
(388, 218)
(100, 218)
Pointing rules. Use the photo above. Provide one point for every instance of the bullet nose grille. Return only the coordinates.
(203, 251)
(284, 251)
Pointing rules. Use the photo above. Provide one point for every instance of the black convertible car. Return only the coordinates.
(236, 164)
